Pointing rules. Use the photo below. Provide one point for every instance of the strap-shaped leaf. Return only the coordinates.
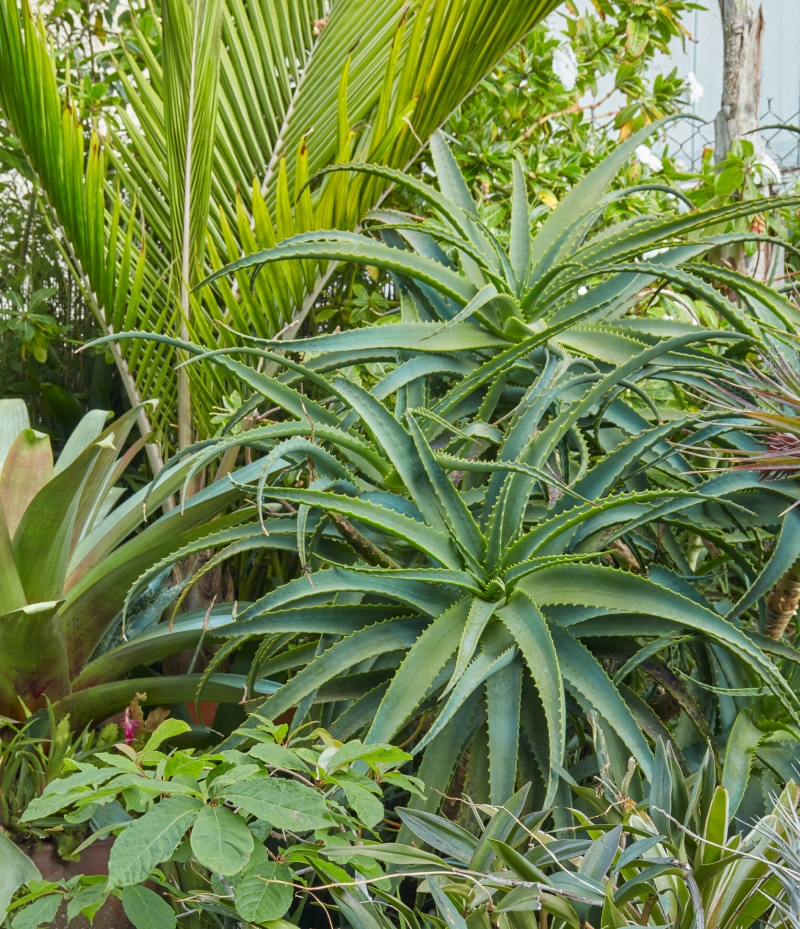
(433, 543)
(424, 597)
(592, 585)
(360, 646)
(784, 555)
(585, 677)
(480, 612)
(503, 696)
(464, 530)
(350, 247)
(418, 670)
(497, 651)
(400, 447)
(532, 634)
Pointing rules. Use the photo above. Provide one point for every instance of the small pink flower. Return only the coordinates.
(129, 726)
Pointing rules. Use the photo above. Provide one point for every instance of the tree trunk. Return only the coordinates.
(742, 30)
(782, 603)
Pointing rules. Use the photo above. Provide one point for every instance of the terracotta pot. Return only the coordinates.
(94, 860)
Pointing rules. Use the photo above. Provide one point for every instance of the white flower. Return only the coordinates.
(652, 254)
(646, 157)
(582, 290)
(768, 166)
(565, 66)
(695, 87)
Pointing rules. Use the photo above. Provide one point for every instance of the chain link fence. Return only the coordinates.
(686, 141)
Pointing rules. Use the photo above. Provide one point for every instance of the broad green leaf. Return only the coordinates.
(167, 730)
(39, 912)
(146, 909)
(498, 829)
(221, 841)
(16, 870)
(264, 893)
(150, 840)
(27, 468)
(13, 419)
(282, 803)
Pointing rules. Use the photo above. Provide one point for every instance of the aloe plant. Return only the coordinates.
(70, 549)
(480, 459)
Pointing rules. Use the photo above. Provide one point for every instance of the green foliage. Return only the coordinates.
(70, 549)
(623, 855)
(213, 813)
(483, 458)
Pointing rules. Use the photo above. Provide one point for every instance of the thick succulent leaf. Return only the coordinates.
(433, 543)
(784, 555)
(503, 696)
(478, 616)
(400, 447)
(463, 528)
(565, 224)
(496, 653)
(740, 750)
(532, 635)
(586, 678)
(360, 646)
(351, 247)
(418, 670)
(591, 585)
(417, 594)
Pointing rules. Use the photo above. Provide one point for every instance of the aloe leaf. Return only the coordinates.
(401, 449)
(592, 585)
(532, 634)
(520, 243)
(463, 528)
(428, 540)
(586, 677)
(360, 646)
(740, 750)
(480, 612)
(563, 226)
(497, 652)
(350, 247)
(503, 696)
(418, 670)
(784, 555)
